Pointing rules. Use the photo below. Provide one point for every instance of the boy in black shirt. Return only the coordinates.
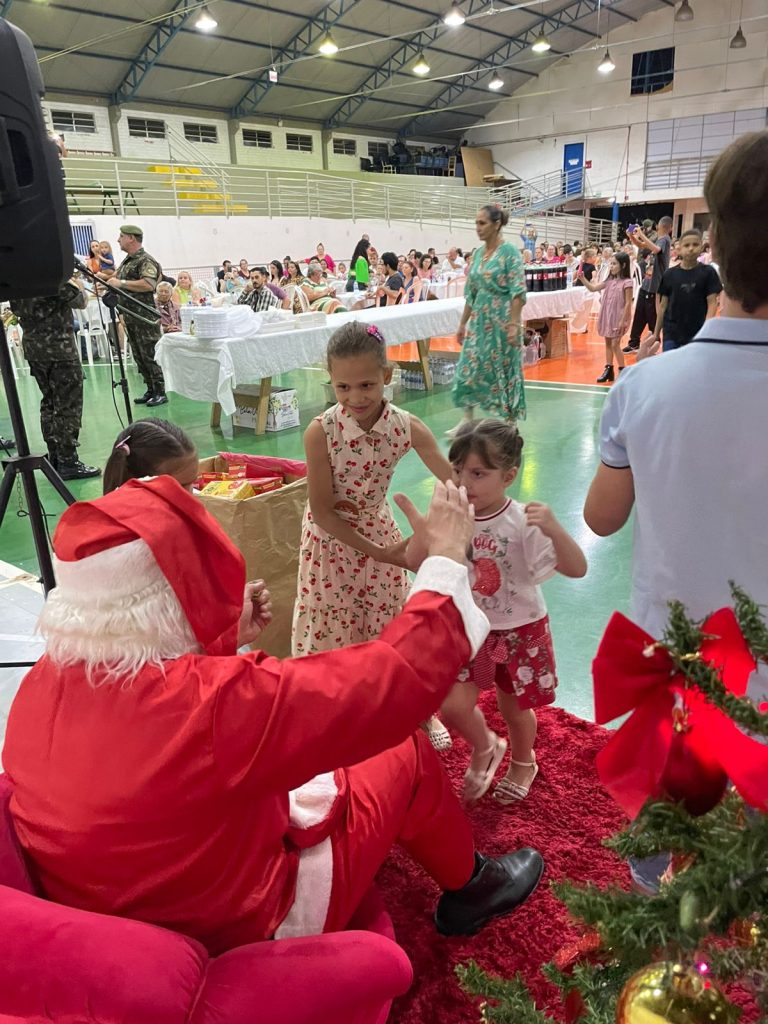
(688, 295)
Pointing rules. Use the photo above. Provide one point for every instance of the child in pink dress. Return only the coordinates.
(352, 577)
(615, 312)
(515, 548)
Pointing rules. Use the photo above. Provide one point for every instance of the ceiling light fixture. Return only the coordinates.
(454, 17)
(606, 65)
(739, 41)
(541, 44)
(421, 67)
(684, 12)
(206, 22)
(328, 45)
(496, 83)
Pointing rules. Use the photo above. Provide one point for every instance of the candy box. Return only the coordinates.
(237, 489)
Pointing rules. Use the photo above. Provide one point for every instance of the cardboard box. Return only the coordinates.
(282, 414)
(267, 530)
(283, 409)
(558, 340)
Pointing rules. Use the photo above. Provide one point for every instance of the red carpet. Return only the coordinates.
(566, 816)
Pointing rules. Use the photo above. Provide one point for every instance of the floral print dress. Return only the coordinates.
(344, 597)
(489, 372)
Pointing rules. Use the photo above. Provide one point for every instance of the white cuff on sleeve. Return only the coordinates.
(444, 576)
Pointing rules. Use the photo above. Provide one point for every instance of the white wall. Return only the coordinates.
(572, 102)
(278, 156)
(228, 149)
(98, 142)
(202, 241)
(163, 149)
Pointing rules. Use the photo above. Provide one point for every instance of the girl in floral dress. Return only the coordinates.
(489, 372)
(352, 578)
(515, 548)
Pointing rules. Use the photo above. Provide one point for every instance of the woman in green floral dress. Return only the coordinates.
(489, 373)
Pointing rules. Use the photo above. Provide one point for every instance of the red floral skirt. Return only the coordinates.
(519, 661)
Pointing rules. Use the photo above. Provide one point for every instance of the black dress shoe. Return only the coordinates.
(630, 348)
(76, 470)
(606, 376)
(144, 399)
(158, 398)
(498, 886)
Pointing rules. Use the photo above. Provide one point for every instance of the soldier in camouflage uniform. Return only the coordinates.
(51, 351)
(139, 275)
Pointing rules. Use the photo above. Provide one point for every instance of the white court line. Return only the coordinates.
(543, 383)
(571, 391)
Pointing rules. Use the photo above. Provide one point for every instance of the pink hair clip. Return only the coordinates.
(374, 332)
(123, 445)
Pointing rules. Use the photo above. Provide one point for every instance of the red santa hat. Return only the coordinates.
(115, 544)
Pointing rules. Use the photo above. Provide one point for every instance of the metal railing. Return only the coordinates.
(190, 186)
(544, 192)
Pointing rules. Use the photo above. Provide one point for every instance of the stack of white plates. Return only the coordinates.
(219, 323)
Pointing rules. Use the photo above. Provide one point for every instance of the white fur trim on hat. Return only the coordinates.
(114, 611)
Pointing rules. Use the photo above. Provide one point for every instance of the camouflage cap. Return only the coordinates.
(131, 229)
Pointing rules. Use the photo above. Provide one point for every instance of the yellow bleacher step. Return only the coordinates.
(191, 182)
(167, 169)
(214, 196)
(221, 208)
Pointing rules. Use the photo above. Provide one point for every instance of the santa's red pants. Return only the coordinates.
(402, 796)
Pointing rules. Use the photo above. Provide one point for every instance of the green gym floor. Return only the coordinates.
(558, 463)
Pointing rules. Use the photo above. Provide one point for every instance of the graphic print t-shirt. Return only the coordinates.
(509, 561)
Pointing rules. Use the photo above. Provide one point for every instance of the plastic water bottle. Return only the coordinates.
(354, 286)
(569, 278)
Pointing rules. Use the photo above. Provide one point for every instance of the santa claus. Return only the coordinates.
(161, 776)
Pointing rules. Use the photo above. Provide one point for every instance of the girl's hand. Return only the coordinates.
(461, 335)
(256, 614)
(538, 514)
(395, 554)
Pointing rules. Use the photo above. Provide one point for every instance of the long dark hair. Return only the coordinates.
(623, 260)
(278, 267)
(142, 448)
(361, 249)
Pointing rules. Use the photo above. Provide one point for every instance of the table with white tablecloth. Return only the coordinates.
(209, 370)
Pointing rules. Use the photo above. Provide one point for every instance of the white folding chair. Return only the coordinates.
(296, 292)
(91, 333)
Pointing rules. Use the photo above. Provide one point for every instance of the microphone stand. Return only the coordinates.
(116, 297)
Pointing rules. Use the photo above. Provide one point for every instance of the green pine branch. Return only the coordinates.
(683, 637)
(751, 622)
(512, 1002)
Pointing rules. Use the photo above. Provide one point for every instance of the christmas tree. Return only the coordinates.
(690, 766)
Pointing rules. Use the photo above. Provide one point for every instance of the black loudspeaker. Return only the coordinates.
(36, 253)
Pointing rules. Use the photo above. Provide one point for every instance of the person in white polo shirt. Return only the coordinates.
(683, 434)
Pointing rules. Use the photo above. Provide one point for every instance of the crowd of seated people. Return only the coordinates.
(315, 283)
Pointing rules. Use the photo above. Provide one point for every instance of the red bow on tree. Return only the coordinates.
(675, 744)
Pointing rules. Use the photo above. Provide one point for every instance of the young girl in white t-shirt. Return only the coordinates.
(515, 548)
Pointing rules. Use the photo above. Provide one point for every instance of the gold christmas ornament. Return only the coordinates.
(671, 993)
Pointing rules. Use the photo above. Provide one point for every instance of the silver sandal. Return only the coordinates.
(507, 792)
